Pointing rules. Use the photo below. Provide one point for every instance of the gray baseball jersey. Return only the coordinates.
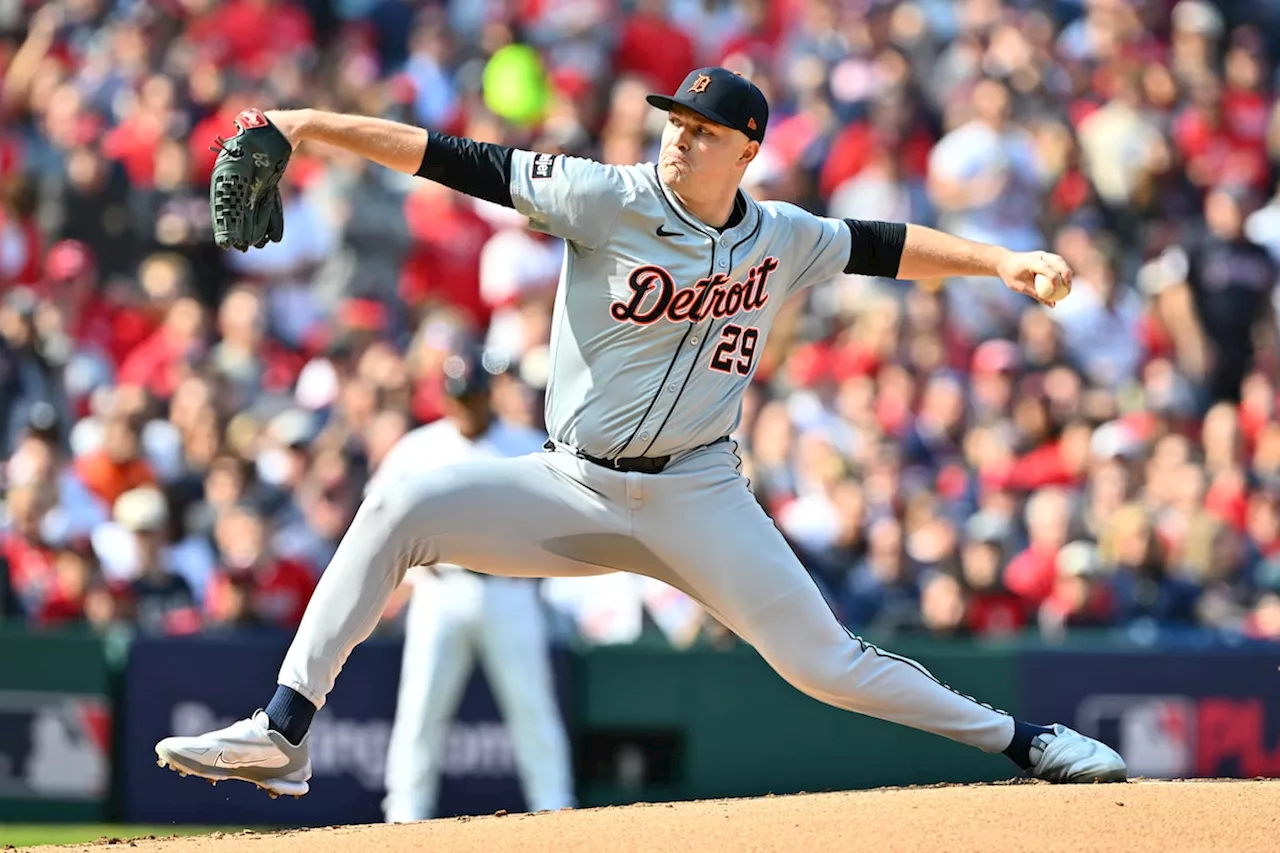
(660, 319)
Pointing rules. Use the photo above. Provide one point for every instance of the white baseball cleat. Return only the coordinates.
(247, 750)
(1068, 756)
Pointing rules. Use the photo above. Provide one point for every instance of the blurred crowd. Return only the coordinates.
(186, 433)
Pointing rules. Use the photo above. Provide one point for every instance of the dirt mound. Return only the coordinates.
(1208, 815)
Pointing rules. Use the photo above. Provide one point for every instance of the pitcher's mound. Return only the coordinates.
(1239, 816)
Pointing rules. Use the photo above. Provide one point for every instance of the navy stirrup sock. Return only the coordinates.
(1019, 750)
(290, 714)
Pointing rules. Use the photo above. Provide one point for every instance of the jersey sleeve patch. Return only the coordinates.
(541, 167)
(575, 198)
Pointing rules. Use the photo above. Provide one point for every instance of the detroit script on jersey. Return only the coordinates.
(714, 296)
(659, 317)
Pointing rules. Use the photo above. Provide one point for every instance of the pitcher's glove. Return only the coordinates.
(244, 193)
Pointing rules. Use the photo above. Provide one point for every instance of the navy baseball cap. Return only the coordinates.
(722, 96)
(465, 374)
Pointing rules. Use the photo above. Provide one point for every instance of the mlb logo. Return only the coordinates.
(54, 746)
(1154, 734)
(542, 166)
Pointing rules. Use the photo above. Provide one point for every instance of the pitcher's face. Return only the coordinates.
(698, 152)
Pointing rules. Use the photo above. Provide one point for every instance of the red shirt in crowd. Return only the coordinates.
(200, 145)
(95, 320)
(444, 263)
(60, 607)
(1217, 151)
(11, 159)
(1095, 609)
(760, 41)
(31, 572)
(427, 404)
(1044, 466)
(111, 329)
(855, 147)
(133, 144)
(1246, 115)
(995, 612)
(280, 592)
(157, 364)
(655, 49)
(1032, 573)
(1228, 502)
(250, 35)
(109, 479)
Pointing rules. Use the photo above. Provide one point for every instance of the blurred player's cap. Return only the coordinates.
(722, 96)
(467, 373)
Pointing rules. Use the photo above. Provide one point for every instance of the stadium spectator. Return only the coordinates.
(160, 599)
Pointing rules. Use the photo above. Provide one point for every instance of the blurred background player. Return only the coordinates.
(456, 616)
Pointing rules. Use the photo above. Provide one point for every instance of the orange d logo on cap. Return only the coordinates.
(701, 84)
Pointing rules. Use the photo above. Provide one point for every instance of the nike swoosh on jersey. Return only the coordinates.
(661, 233)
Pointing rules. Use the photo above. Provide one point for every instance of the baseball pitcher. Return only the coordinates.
(672, 279)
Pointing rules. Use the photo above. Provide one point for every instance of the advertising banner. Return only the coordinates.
(1194, 714)
(187, 686)
(703, 723)
(55, 727)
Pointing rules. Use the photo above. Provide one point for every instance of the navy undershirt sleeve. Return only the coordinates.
(876, 248)
(479, 169)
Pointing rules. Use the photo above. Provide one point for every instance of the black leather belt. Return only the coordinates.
(642, 464)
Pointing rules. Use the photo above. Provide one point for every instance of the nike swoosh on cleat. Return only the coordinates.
(219, 762)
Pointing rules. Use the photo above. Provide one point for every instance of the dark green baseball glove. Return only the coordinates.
(244, 192)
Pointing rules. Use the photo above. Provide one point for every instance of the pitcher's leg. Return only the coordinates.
(798, 635)
(488, 516)
(740, 566)
(504, 516)
(800, 638)
(707, 528)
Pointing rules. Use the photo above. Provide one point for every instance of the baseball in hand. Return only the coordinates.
(1050, 291)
